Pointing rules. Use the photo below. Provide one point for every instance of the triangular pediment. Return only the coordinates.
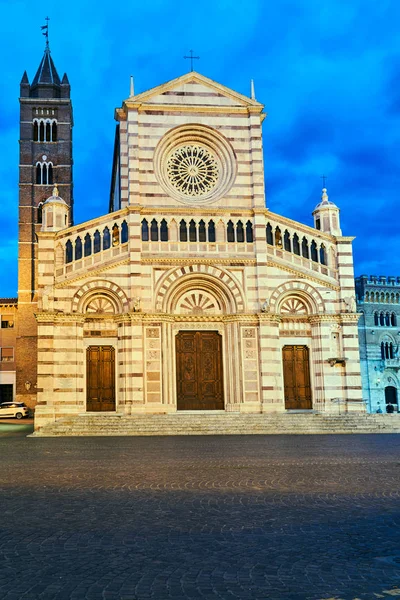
(194, 89)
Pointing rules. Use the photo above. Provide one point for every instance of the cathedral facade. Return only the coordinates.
(190, 294)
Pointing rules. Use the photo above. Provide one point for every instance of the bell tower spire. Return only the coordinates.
(45, 157)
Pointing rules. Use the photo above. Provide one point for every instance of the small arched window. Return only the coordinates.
(154, 231)
(35, 131)
(382, 319)
(68, 251)
(164, 231)
(230, 232)
(314, 251)
(106, 238)
(78, 248)
(304, 248)
(269, 236)
(376, 318)
(41, 131)
(322, 255)
(211, 232)
(387, 320)
(391, 353)
(202, 231)
(124, 232)
(182, 231)
(115, 235)
(296, 245)
(38, 173)
(278, 238)
(50, 174)
(40, 212)
(387, 350)
(239, 232)
(192, 231)
(286, 241)
(145, 231)
(249, 232)
(48, 131)
(382, 350)
(393, 319)
(87, 246)
(54, 132)
(96, 242)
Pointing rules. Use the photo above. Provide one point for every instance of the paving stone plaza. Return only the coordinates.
(252, 517)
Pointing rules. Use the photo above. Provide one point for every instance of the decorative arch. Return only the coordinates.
(213, 280)
(100, 289)
(304, 291)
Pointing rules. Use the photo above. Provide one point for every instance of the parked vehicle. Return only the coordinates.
(17, 410)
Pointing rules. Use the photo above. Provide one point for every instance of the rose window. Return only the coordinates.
(192, 170)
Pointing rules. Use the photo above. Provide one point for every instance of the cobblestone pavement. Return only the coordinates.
(277, 517)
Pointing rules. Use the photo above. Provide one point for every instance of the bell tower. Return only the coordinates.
(45, 158)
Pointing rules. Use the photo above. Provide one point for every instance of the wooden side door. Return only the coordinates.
(199, 374)
(296, 377)
(100, 361)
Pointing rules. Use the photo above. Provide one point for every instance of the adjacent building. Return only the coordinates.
(8, 338)
(378, 301)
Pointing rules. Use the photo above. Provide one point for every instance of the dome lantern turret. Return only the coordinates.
(326, 215)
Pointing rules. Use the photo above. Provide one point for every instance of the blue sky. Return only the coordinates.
(327, 71)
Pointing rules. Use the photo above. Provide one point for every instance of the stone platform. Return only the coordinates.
(103, 424)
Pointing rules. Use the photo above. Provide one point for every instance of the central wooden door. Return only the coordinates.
(296, 377)
(199, 370)
(100, 361)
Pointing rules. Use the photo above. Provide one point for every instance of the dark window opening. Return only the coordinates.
(286, 241)
(270, 240)
(296, 245)
(182, 231)
(96, 242)
(192, 231)
(106, 238)
(78, 248)
(87, 245)
(145, 231)
(115, 235)
(239, 232)
(304, 248)
(314, 251)
(124, 232)
(68, 252)
(249, 232)
(164, 231)
(230, 232)
(211, 232)
(202, 231)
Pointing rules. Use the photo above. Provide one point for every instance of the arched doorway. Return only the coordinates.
(391, 396)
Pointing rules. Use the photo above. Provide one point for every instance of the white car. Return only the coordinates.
(14, 409)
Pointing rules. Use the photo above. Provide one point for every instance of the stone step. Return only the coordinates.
(219, 424)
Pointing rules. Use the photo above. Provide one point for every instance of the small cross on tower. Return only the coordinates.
(324, 178)
(192, 58)
(45, 31)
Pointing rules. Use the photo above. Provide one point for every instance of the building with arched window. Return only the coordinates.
(188, 295)
(378, 301)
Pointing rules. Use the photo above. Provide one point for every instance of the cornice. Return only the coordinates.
(86, 273)
(178, 261)
(303, 275)
(193, 210)
(58, 317)
(191, 108)
(316, 233)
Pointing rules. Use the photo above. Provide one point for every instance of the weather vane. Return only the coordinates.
(45, 31)
(191, 59)
(324, 178)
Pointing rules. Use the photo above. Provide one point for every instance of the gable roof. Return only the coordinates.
(194, 77)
